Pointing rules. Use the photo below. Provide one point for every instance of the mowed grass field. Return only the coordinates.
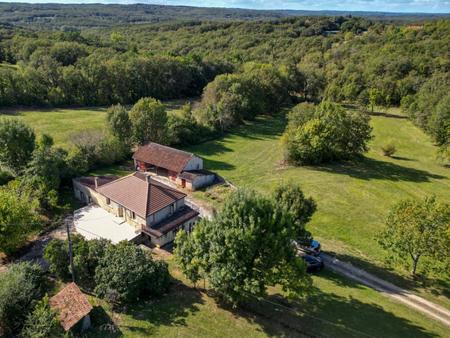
(353, 198)
(63, 123)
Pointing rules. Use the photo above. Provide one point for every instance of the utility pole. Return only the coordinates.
(70, 250)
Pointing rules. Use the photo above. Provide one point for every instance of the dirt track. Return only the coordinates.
(411, 300)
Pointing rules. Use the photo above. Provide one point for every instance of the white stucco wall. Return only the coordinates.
(195, 163)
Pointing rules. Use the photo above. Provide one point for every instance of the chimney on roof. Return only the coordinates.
(96, 182)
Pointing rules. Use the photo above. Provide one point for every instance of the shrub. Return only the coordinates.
(42, 322)
(126, 273)
(20, 286)
(388, 149)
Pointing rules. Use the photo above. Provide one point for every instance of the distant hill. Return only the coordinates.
(68, 16)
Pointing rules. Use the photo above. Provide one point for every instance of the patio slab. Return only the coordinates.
(93, 222)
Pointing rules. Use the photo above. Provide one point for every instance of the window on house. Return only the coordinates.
(108, 201)
(133, 215)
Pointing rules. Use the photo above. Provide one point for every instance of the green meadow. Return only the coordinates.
(353, 199)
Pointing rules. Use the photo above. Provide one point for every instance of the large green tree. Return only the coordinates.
(149, 120)
(20, 286)
(119, 122)
(416, 229)
(17, 142)
(329, 133)
(244, 249)
(127, 273)
(18, 217)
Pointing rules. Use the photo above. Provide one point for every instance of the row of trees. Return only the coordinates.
(325, 133)
(66, 76)
(249, 245)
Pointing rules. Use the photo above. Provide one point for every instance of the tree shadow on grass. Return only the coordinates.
(436, 286)
(371, 169)
(102, 325)
(327, 314)
(170, 310)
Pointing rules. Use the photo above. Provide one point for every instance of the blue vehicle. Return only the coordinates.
(313, 263)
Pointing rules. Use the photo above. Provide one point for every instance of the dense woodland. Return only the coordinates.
(71, 16)
(273, 64)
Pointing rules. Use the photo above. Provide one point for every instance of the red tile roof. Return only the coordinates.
(135, 193)
(71, 305)
(163, 157)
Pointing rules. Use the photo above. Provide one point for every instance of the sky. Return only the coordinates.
(425, 6)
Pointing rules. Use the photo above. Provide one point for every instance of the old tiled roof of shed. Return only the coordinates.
(163, 157)
(71, 305)
(137, 194)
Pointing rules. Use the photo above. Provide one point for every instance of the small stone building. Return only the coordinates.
(72, 307)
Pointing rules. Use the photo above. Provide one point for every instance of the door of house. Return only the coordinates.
(183, 183)
(120, 211)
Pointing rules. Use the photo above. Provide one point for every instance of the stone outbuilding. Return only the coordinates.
(72, 307)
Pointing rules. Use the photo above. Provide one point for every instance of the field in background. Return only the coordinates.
(63, 123)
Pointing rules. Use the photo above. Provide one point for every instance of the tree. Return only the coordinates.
(42, 322)
(20, 286)
(290, 197)
(56, 255)
(244, 249)
(18, 217)
(127, 273)
(374, 97)
(149, 120)
(43, 174)
(328, 134)
(416, 229)
(119, 123)
(17, 142)
(86, 257)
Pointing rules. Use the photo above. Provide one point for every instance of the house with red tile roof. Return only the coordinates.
(156, 211)
(182, 168)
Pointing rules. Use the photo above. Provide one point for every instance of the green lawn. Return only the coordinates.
(353, 198)
(336, 307)
(61, 124)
